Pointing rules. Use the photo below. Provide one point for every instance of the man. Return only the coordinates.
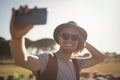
(70, 37)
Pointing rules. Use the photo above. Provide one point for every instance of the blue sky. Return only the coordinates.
(100, 18)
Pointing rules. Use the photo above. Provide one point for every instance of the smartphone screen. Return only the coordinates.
(34, 17)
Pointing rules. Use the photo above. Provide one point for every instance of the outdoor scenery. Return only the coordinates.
(108, 70)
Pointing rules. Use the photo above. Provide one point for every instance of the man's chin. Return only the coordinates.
(68, 51)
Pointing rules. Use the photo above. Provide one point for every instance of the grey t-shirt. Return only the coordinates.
(65, 68)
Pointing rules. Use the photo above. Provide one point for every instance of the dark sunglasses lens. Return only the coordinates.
(65, 36)
(75, 37)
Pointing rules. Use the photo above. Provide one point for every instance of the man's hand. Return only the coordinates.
(18, 32)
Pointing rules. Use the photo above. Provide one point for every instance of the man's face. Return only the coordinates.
(68, 40)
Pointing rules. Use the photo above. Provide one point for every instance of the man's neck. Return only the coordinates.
(65, 55)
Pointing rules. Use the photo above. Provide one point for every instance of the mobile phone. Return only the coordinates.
(34, 17)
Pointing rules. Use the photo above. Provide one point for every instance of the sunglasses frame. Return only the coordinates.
(67, 36)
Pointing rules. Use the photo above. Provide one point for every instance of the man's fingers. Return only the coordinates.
(12, 17)
(26, 10)
(20, 11)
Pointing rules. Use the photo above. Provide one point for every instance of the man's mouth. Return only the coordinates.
(69, 45)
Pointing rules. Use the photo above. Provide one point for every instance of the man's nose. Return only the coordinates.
(70, 39)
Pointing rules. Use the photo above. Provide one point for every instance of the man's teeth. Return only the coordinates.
(68, 44)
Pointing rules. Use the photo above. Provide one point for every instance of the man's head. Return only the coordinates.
(76, 33)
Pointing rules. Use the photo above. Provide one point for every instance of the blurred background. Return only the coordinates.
(100, 18)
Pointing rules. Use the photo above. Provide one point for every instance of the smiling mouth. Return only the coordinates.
(69, 45)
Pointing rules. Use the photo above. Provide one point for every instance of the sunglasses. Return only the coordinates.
(73, 37)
